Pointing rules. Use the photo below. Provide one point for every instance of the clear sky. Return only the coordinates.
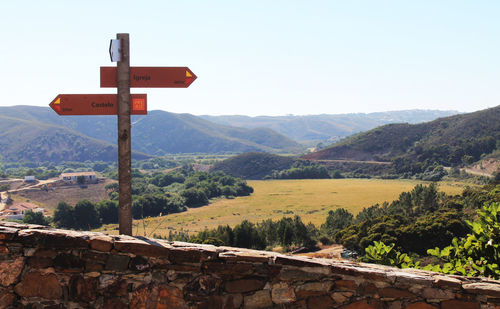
(262, 57)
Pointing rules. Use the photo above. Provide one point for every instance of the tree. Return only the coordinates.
(63, 216)
(194, 197)
(32, 217)
(85, 215)
(108, 211)
(479, 253)
(336, 221)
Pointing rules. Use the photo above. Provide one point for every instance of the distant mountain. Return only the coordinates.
(157, 133)
(450, 141)
(328, 127)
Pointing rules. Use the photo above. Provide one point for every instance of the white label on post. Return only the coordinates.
(115, 50)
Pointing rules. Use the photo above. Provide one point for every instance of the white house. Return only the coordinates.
(29, 178)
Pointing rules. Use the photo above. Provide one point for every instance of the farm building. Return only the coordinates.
(17, 210)
(80, 177)
(29, 179)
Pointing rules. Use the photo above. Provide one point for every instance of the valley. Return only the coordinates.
(273, 199)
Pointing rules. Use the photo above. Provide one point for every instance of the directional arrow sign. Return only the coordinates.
(96, 104)
(150, 77)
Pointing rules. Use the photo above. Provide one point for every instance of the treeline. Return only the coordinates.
(287, 233)
(302, 170)
(153, 195)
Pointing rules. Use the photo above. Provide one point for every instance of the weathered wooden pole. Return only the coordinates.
(124, 137)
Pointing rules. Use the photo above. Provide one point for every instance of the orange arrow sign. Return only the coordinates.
(151, 77)
(96, 104)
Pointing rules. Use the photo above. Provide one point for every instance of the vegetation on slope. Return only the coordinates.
(451, 141)
(153, 195)
(158, 133)
(253, 165)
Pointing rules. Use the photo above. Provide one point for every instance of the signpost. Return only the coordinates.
(123, 104)
(151, 77)
(96, 104)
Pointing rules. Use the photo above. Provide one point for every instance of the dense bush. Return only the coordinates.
(32, 217)
(287, 233)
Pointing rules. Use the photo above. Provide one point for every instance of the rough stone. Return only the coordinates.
(282, 293)
(53, 238)
(244, 285)
(259, 299)
(68, 263)
(144, 298)
(447, 282)
(233, 301)
(364, 304)
(101, 243)
(30, 286)
(117, 262)
(141, 247)
(7, 233)
(139, 263)
(113, 303)
(228, 268)
(298, 275)
(170, 297)
(431, 293)
(313, 289)
(341, 297)
(420, 305)
(37, 262)
(395, 293)
(10, 271)
(190, 255)
(45, 253)
(204, 285)
(346, 285)
(6, 298)
(81, 289)
(71, 269)
(455, 304)
(367, 288)
(320, 302)
(483, 288)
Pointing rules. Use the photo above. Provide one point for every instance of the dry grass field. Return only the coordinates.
(70, 194)
(310, 199)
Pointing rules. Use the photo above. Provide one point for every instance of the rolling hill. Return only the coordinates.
(38, 134)
(253, 165)
(30, 140)
(327, 127)
(450, 141)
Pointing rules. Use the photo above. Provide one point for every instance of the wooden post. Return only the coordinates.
(124, 137)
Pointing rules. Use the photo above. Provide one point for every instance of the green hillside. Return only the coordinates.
(47, 136)
(30, 140)
(162, 132)
(253, 165)
(451, 141)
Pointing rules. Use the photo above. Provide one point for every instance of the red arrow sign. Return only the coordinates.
(96, 104)
(150, 77)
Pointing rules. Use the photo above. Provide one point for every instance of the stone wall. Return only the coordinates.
(49, 268)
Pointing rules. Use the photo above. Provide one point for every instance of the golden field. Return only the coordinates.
(310, 199)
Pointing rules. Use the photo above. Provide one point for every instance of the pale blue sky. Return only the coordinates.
(262, 57)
